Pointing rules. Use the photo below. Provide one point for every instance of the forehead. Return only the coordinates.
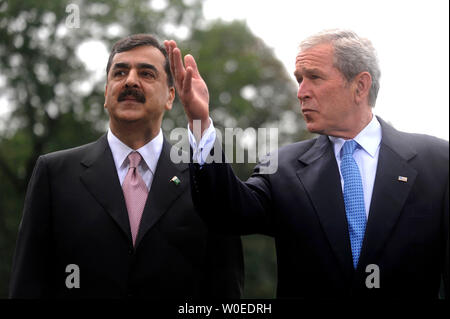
(142, 54)
(319, 56)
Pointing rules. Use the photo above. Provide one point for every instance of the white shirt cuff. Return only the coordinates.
(203, 148)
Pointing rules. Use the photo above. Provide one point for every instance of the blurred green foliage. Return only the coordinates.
(45, 105)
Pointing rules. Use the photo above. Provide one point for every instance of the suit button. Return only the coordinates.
(130, 251)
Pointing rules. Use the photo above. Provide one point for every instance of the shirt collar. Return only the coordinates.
(369, 138)
(150, 152)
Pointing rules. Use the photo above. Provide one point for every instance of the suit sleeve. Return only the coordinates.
(229, 205)
(32, 261)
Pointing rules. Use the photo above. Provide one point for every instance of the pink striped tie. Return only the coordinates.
(135, 192)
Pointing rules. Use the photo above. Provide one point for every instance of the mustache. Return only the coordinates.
(138, 95)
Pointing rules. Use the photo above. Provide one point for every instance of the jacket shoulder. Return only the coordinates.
(298, 148)
(287, 156)
(74, 154)
(427, 145)
(413, 143)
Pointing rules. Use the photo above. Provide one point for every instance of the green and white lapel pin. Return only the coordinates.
(175, 180)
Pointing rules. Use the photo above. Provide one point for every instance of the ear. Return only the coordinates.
(362, 83)
(170, 98)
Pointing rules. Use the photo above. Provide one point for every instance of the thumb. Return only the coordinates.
(190, 61)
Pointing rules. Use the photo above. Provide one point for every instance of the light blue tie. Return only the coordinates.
(353, 199)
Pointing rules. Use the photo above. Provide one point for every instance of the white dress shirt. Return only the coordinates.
(150, 153)
(202, 149)
(365, 155)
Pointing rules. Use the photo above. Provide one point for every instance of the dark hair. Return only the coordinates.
(136, 40)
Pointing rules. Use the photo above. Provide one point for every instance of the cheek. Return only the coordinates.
(332, 101)
(111, 91)
(109, 99)
(159, 94)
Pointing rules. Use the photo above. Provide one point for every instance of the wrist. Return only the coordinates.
(199, 126)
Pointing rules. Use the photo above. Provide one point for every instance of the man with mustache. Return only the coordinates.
(360, 211)
(115, 218)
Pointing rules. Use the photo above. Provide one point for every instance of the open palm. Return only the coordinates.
(190, 86)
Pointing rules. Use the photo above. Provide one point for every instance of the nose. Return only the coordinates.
(132, 79)
(303, 91)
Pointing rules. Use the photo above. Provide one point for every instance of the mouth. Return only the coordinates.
(305, 111)
(128, 98)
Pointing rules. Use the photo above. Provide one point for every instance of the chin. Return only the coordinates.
(130, 115)
(127, 119)
(313, 128)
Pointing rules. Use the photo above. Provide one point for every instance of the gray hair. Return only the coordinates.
(352, 55)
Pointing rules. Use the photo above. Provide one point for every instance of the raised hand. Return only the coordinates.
(191, 88)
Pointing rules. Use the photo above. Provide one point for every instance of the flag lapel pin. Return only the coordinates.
(175, 180)
(403, 179)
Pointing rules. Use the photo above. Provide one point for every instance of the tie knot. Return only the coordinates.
(135, 159)
(349, 147)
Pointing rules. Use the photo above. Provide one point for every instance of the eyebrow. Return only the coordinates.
(124, 65)
(307, 71)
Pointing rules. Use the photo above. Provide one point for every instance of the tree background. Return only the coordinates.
(49, 100)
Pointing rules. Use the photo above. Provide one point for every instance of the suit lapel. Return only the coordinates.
(101, 180)
(163, 192)
(389, 193)
(321, 179)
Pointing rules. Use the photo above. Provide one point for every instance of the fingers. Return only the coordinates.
(183, 74)
(176, 64)
(189, 61)
(187, 83)
(169, 50)
(178, 67)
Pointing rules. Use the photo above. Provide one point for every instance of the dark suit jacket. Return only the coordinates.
(75, 213)
(302, 206)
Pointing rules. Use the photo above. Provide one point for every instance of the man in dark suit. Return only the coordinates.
(360, 211)
(115, 218)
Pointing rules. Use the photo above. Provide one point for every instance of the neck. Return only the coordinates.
(360, 125)
(354, 127)
(134, 135)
